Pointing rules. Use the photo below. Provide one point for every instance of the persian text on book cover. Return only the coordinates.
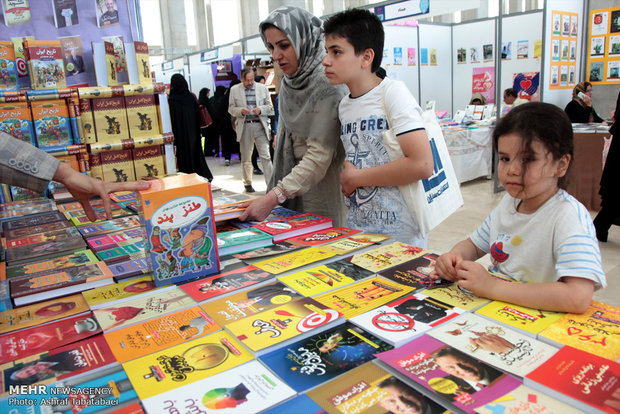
(16, 12)
(185, 363)
(526, 400)
(142, 58)
(355, 242)
(54, 264)
(142, 116)
(149, 161)
(16, 120)
(73, 54)
(529, 320)
(386, 256)
(110, 62)
(178, 213)
(357, 298)
(45, 64)
(51, 124)
(88, 121)
(110, 120)
(128, 312)
(324, 236)
(157, 334)
(120, 61)
(286, 262)
(454, 296)
(117, 166)
(8, 67)
(103, 294)
(276, 325)
(225, 282)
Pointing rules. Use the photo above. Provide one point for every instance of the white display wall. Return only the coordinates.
(201, 75)
(403, 38)
(436, 80)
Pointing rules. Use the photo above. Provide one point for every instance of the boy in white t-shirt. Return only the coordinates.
(354, 42)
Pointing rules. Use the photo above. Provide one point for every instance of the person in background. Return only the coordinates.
(478, 99)
(230, 145)
(580, 109)
(512, 98)
(257, 170)
(308, 155)
(23, 165)
(211, 146)
(185, 121)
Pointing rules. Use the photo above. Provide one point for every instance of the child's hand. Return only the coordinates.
(475, 278)
(346, 178)
(446, 267)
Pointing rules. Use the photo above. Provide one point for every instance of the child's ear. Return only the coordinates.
(563, 165)
(368, 56)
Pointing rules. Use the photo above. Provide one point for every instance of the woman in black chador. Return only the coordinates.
(185, 120)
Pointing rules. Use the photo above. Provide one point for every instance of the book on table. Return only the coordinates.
(416, 273)
(129, 268)
(236, 241)
(324, 236)
(285, 228)
(293, 260)
(353, 243)
(271, 250)
(100, 296)
(386, 256)
(526, 400)
(527, 320)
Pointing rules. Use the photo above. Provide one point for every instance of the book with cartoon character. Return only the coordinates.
(178, 212)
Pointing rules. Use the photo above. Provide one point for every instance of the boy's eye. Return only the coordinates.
(504, 159)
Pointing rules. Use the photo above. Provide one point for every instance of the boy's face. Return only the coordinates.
(341, 63)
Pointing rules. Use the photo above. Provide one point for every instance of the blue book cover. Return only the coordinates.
(300, 404)
(5, 296)
(319, 358)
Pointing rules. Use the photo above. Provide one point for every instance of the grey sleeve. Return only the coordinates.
(24, 165)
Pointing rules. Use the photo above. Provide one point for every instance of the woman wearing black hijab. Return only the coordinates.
(212, 146)
(185, 120)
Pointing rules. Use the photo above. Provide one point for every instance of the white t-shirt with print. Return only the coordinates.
(379, 209)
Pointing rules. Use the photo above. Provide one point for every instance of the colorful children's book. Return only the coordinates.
(272, 250)
(222, 283)
(129, 268)
(57, 364)
(247, 388)
(127, 312)
(580, 379)
(325, 277)
(263, 330)
(527, 320)
(33, 220)
(126, 289)
(597, 331)
(116, 239)
(525, 400)
(249, 302)
(46, 250)
(16, 12)
(157, 334)
(185, 363)
(148, 162)
(324, 236)
(371, 389)
(314, 360)
(36, 288)
(36, 239)
(406, 318)
(386, 256)
(110, 226)
(178, 212)
(52, 265)
(45, 65)
(110, 120)
(415, 273)
(455, 296)
(290, 261)
(366, 294)
(429, 362)
(230, 242)
(285, 228)
(52, 125)
(356, 242)
(502, 347)
(40, 338)
(127, 250)
(8, 67)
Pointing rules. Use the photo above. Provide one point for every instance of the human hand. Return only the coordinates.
(256, 111)
(260, 208)
(586, 99)
(346, 178)
(245, 111)
(446, 266)
(475, 278)
(83, 187)
(492, 343)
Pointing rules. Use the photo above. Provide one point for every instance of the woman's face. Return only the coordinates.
(589, 91)
(282, 51)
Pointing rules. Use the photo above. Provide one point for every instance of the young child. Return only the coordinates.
(369, 180)
(538, 233)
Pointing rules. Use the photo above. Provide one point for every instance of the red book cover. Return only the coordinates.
(212, 286)
(288, 227)
(30, 341)
(324, 236)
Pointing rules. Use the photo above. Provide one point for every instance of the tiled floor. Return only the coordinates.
(479, 200)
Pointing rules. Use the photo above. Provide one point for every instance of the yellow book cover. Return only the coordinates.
(117, 166)
(142, 116)
(596, 331)
(148, 161)
(453, 295)
(277, 325)
(367, 294)
(110, 60)
(96, 169)
(386, 256)
(124, 313)
(128, 288)
(185, 363)
(286, 262)
(88, 122)
(537, 48)
(160, 333)
(353, 243)
(110, 120)
(528, 320)
(142, 58)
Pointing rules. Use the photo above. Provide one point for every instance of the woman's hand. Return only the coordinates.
(260, 208)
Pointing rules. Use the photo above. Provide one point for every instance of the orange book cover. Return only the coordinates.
(110, 120)
(72, 160)
(16, 120)
(51, 124)
(142, 116)
(8, 67)
(45, 65)
(149, 161)
(117, 166)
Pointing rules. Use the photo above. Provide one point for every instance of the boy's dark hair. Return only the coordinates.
(542, 121)
(362, 29)
(511, 92)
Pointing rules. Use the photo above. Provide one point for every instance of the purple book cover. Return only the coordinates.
(130, 268)
(462, 380)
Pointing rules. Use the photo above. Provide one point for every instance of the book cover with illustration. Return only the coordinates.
(16, 12)
(247, 388)
(415, 273)
(32, 220)
(40, 313)
(37, 229)
(430, 363)
(120, 60)
(495, 344)
(271, 250)
(580, 379)
(122, 313)
(52, 265)
(527, 320)
(356, 242)
(314, 360)
(386, 256)
(88, 121)
(261, 331)
(249, 302)
(178, 212)
(357, 298)
(8, 67)
(226, 282)
(104, 61)
(46, 250)
(235, 241)
(285, 228)
(110, 120)
(41, 338)
(142, 116)
(369, 389)
(160, 333)
(96, 170)
(65, 13)
(455, 296)
(57, 364)
(110, 226)
(111, 240)
(118, 166)
(142, 61)
(128, 288)
(148, 162)
(35, 239)
(324, 236)
(73, 56)
(290, 261)
(45, 65)
(325, 277)
(596, 331)
(406, 318)
(185, 363)
(51, 124)
(129, 268)
(526, 400)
